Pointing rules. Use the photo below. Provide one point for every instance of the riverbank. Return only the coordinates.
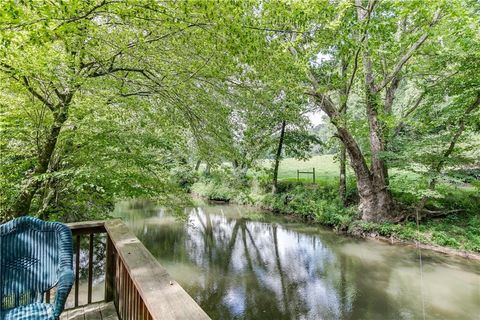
(439, 249)
(455, 234)
(393, 240)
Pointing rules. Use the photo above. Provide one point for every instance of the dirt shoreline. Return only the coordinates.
(440, 249)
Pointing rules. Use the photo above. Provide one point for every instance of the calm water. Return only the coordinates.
(238, 263)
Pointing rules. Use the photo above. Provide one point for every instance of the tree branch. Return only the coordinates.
(274, 30)
(404, 59)
(137, 93)
(37, 95)
(408, 113)
(461, 128)
(23, 80)
(86, 14)
(111, 70)
(364, 15)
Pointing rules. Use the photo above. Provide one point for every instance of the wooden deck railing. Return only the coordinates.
(139, 286)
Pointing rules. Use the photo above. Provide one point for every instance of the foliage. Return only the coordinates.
(319, 203)
(105, 100)
(223, 185)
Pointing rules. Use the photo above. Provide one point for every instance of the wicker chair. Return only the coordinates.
(35, 256)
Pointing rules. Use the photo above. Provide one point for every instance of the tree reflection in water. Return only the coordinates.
(236, 268)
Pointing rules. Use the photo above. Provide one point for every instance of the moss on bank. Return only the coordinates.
(319, 203)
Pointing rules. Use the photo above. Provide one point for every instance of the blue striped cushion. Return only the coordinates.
(33, 311)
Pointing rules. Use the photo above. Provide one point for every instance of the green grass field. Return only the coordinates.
(326, 167)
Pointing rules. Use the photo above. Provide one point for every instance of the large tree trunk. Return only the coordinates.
(22, 203)
(379, 199)
(377, 205)
(342, 182)
(376, 202)
(278, 156)
(382, 199)
(377, 146)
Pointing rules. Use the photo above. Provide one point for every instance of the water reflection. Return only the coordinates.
(238, 268)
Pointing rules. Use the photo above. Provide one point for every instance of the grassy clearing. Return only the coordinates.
(326, 167)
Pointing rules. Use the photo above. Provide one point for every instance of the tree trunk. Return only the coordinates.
(242, 170)
(377, 143)
(22, 203)
(390, 92)
(197, 165)
(377, 205)
(207, 169)
(47, 199)
(278, 155)
(376, 202)
(343, 179)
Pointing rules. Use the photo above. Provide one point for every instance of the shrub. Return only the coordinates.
(443, 239)
(212, 190)
(184, 177)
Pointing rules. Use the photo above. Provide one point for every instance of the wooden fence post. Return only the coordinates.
(313, 175)
(109, 270)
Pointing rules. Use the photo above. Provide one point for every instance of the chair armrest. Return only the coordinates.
(65, 283)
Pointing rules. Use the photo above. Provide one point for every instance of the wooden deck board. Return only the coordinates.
(108, 312)
(94, 311)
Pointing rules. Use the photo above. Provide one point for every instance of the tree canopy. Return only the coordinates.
(103, 99)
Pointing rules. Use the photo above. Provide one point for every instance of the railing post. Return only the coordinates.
(77, 268)
(109, 270)
(90, 267)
